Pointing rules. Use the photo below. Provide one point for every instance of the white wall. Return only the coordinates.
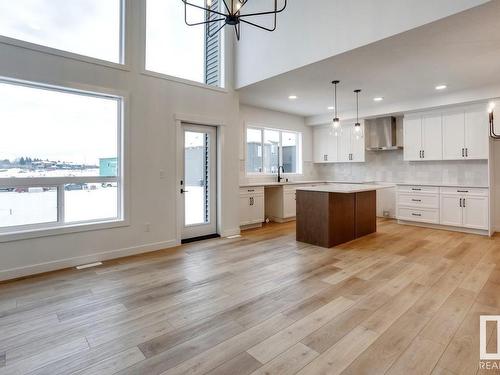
(310, 31)
(153, 104)
(253, 116)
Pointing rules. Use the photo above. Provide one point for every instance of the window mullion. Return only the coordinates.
(60, 204)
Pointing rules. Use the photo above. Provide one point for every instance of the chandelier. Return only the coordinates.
(231, 14)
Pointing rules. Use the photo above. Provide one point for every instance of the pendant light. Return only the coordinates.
(336, 120)
(357, 125)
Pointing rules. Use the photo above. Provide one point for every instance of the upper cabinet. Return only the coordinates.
(454, 134)
(347, 147)
(324, 145)
(465, 134)
(422, 138)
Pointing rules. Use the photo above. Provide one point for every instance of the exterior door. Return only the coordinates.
(198, 187)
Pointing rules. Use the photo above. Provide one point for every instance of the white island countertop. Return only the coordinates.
(346, 188)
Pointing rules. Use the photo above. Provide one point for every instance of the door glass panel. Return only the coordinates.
(196, 175)
(271, 143)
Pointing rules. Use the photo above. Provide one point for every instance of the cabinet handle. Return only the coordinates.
(414, 214)
(460, 204)
(466, 152)
(423, 154)
(462, 191)
(416, 189)
(416, 200)
(420, 154)
(463, 203)
(251, 201)
(463, 152)
(249, 190)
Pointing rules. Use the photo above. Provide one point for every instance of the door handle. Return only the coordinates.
(184, 191)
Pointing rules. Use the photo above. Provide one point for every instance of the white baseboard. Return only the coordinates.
(230, 232)
(444, 227)
(73, 262)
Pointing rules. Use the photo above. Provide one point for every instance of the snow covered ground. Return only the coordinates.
(37, 206)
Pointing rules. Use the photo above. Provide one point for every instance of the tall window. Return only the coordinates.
(269, 149)
(178, 50)
(86, 27)
(59, 157)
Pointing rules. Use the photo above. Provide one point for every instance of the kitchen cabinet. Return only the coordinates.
(351, 144)
(457, 207)
(422, 138)
(347, 147)
(251, 206)
(325, 145)
(465, 134)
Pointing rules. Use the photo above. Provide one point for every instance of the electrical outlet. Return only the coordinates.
(147, 227)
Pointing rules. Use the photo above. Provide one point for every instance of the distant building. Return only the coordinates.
(108, 167)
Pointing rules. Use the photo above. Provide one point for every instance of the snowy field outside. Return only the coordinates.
(38, 206)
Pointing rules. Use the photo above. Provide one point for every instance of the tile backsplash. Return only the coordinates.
(389, 166)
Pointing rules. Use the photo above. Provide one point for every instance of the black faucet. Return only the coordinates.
(280, 168)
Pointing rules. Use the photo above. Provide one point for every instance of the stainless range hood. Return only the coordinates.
(382, 134)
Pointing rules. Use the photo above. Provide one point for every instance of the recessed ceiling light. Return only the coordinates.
(441, 87)
(331, 108)
(292, 97)
(378, 99)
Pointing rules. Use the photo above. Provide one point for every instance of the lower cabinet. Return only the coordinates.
(448, 206)
(466, 208)
(251, 206)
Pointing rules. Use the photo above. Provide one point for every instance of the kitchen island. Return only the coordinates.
(333, 214)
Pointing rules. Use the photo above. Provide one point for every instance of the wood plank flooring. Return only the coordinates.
(404, 300)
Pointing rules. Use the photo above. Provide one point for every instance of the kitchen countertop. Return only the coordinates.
(274, 183)
(440, 185)
(346, 188)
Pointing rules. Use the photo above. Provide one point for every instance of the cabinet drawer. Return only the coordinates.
(418, 189)
(420, 215)
(418, 200)
(253, 191)
(482, 192)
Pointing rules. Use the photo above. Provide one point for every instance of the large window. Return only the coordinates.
(60, 157)
(270, 149)
(182, 51)
(86, 27)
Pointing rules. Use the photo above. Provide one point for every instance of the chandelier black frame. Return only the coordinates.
(232, 16)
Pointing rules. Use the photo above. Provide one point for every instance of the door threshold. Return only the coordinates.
(200, 238)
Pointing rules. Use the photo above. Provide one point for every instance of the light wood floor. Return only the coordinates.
(405, 300)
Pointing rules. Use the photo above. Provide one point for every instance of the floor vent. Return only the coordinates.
(83, 266)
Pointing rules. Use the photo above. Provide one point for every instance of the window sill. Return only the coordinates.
(61, 53)
(184, 81)
(60, 230)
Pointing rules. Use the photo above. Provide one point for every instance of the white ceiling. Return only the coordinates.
(462, 51)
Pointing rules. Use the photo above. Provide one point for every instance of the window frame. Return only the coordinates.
(262, 128)
(150, 73)
(121, 65)
(20, 232)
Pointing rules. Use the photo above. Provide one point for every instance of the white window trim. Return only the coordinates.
(22, 232)
(122, 65)
(300, 162)
(167, 77)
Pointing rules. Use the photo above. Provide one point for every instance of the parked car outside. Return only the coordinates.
(76, 186)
